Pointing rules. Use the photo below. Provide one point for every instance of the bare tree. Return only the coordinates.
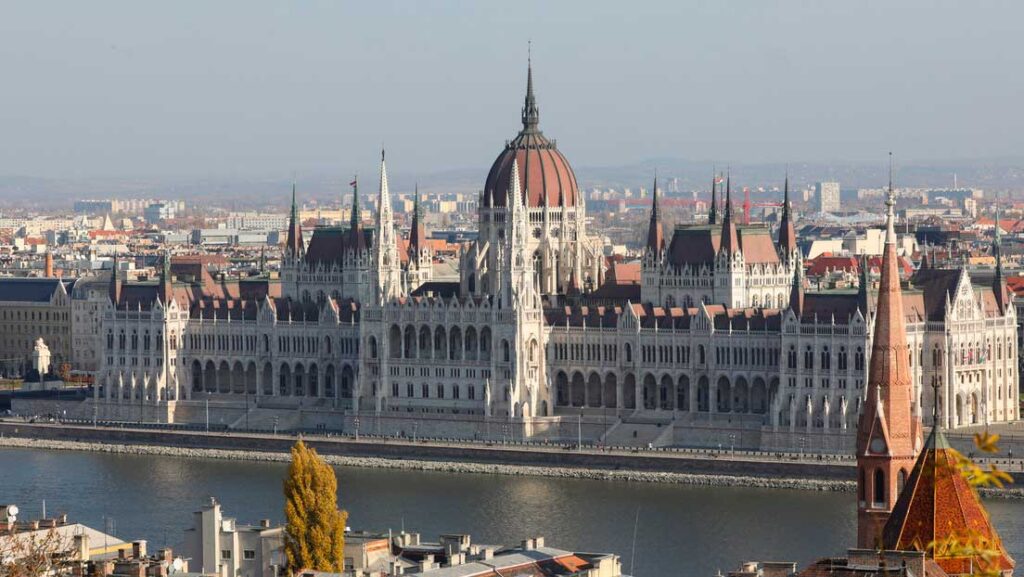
(36, 553)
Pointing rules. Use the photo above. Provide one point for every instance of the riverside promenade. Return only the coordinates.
(660, 465)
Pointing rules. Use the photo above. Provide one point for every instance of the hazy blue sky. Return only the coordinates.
(253, 89)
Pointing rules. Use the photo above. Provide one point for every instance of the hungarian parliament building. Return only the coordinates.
(720, 343)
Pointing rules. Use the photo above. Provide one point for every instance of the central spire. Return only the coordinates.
(531, 114)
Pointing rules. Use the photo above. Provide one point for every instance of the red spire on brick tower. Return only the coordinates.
(889, 433)
(655, 233)
(939, 504)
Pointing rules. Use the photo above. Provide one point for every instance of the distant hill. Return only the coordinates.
(55, 193)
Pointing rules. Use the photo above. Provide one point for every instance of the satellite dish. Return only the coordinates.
(177, 565)
(12, 510)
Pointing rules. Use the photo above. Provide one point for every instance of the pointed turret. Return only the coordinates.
(713, 208)
(166, 280)
(730, 242)
(354, 222)
(888, 437)
(417, 232)
(864, 285)
(655, 232)
(999, 282)
(294, 246)
(787, 233)
(796, 292)
(115, 283)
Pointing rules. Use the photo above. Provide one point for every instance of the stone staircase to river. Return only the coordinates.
(637, 432)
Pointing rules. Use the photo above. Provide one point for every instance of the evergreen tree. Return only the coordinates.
(315, 528)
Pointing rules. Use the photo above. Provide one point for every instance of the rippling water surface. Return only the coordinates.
(681, 531)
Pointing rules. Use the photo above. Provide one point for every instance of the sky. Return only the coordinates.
(260, 89)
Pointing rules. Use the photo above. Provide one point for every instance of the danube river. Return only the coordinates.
(689, 531)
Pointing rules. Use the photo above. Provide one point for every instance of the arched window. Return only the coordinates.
(879, 495)
(629, 353)
(901, 480)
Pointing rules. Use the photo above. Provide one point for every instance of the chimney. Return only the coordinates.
(396, 568)
(48, 267)
(538, 542)
(81, 546)
(527, 544)
(427, 563)
(265, 523)
(488, 554)
(138, 549)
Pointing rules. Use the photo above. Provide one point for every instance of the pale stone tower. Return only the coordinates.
(730, 268)
(387, 271)
(527, 394)
(421, 257)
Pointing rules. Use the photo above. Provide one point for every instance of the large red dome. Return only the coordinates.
(545, 176)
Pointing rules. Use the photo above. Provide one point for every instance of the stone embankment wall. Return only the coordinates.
(443, 455)
(444, 466)
(501, 460)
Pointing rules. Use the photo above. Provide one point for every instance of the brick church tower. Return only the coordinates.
(889, 431)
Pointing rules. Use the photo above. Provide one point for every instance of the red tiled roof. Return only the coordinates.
(624, 273)
(1015, 284)
(938, 504)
